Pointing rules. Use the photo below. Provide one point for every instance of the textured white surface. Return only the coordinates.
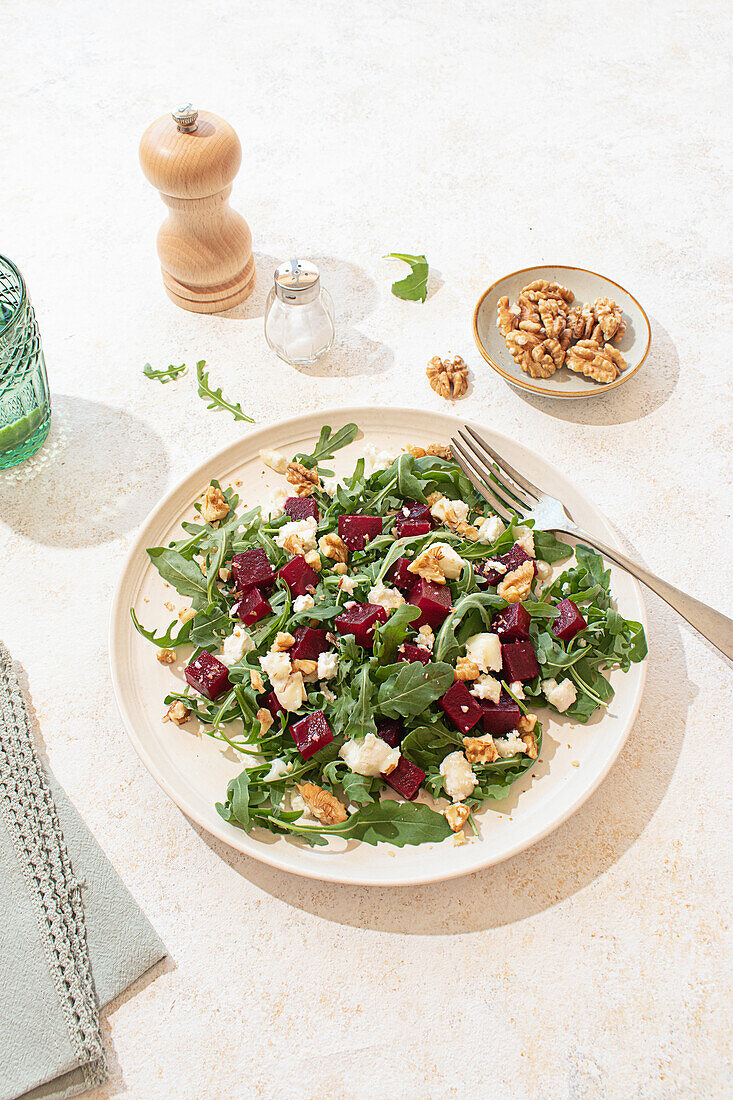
(490, 139)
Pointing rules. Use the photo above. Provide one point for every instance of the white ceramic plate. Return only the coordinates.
(586, 286)
(194, 771)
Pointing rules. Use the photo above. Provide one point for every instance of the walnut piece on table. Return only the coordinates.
(610, 317)
(601, 363)
(449, 379)
(304, 481)
(322, 804)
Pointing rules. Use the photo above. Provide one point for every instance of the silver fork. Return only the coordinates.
(506, 489)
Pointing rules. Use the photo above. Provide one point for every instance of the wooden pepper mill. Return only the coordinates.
(205, 247)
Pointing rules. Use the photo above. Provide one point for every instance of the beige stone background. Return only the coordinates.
(490, 136)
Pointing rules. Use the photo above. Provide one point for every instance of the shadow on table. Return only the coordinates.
(652, 385)
(95, 478)
(572, 858)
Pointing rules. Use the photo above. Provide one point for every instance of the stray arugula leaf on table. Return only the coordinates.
(414, 287)
(166, 374)
(215, 397)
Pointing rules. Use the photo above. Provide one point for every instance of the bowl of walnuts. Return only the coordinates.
(561, 332)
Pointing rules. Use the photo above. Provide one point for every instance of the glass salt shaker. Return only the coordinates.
(299, 314)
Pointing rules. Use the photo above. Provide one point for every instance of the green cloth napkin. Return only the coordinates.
(71, 936)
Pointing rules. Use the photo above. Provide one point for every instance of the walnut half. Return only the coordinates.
(304, 481)
(449, 379)
(602, 364)
(214, 505)
(322, 804)
(517, 585)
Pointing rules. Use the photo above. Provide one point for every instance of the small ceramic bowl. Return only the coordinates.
(586, 286)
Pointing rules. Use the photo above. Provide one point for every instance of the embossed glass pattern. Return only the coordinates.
(25, 405)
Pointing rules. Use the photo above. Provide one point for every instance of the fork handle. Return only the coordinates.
(713, 625)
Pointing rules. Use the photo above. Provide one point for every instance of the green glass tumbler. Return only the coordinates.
(25, 404)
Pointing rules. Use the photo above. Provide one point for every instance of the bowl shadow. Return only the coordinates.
(577, 853)
(92, 481)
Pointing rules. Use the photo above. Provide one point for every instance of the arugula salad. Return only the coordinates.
(377, 639)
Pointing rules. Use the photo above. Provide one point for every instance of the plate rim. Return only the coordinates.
(570, 395)
(120, 618)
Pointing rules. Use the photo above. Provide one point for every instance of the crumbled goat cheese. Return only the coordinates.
(525, 539)
(235, 646)
(496, 565)
(425, 637)
(448, 561)
(303, 603)
(328, 666)
(544, 570)
(279, 769)
(347, 584)
(330, 485)
(288, 686)
(516, 689)
(274, 460)
(276, 506)
(459, 776)
(450, 511)
(374, 459)
(372, 756)
(304, 531)
(297, 802)
(509, 745)
(485, 651)
(385, 597)
(562, 695)
(490, 529)
(487, 687)
(327, 694)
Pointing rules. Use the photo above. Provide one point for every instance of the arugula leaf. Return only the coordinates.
(389, 636)
(327, 446)
(391, 822)
(414, 287)
(184, 575)
(210, 626)
(361, 718)
(167, 640)
(411, 690)
(427, 746)
(550, 548)
(236, 807)
(166, 374)
(360, 789)
(215, 397)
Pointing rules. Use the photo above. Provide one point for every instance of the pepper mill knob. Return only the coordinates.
(205, 247)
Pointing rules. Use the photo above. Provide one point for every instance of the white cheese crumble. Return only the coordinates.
(288, 686)
(279, 769)
(304, 531)
(235, 646)
(374, 459)
(490, 529)
(561, 695)
(487, 687)
(485, 651)
(516, 689)
(509, 745)
(450, 563)
(459, 776)
(425, 637)
(328, 666)
(330, 485)
(347, 584)
(385, 597)
(496, 565)
(372, 756)
(525, 539)
(450, 511)
(276, 506)
(297, 802)
(303, 603)
(544, 570)
(274, 460)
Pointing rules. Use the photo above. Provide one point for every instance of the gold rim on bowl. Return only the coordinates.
(533, 388)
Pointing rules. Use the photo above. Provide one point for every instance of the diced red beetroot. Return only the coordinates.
(519, 661)
(298, 575)
(272, 703)
(252, 569)
(512, 623)
(361, 621)
(208, 675)
(311, 734)
(484, 574)
(512, 559)
(406, 528)
(463, 710)
(499, 718)
(434, 601)
(356, 531)
(400, 576)
(406, 778)
(309, 642)
(410, 652)
(391, 730)
(569, 621)
(252, 606)
(301, 508)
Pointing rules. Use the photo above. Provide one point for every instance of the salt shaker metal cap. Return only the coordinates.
(297, 282)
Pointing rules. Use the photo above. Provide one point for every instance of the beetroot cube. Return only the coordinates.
(208, 675)
(309, 642)
(484, 573)
(391, 730)
(410, 652)
(463, 710)
(298, 575)
(434, 601)
(301, 508)
(499, 718)
(400, 576)
(405, 528)
(272, 703)
(511, 560)
(512, 623)
(252, 606)
(361, 621)
(519, 661)
(569, 621)
(406, 778)
(252, 569)
(515, 557)
(356, 531)
(311, 734)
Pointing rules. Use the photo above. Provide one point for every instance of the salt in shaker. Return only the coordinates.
(299, 314)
